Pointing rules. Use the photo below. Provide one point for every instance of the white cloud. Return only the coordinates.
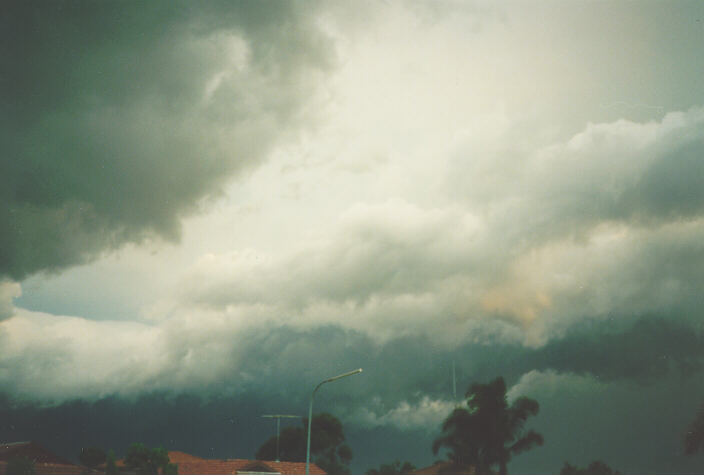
(426, 414)
(553, 385)
(8, 292)
(52, 357)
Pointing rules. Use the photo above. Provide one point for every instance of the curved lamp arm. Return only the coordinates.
(310, 409)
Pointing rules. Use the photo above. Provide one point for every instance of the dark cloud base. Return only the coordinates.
(646, 365)
(643, 351)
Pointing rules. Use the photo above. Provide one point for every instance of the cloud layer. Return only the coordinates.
(511, 189)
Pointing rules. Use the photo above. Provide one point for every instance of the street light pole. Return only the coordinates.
(310, 409)
(278, 425)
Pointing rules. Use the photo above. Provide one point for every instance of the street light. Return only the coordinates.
(310, 409)
(278, 425)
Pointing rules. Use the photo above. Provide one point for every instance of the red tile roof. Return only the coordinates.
(191, 465)
(232, 466)
(32, 451)
(182, 457)
(445, 468)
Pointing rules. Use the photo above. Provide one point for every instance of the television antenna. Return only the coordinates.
(278, 418)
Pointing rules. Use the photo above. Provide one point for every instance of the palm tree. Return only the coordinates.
(694, 438)
(489, 431)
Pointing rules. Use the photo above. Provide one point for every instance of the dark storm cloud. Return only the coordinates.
(645, 350)
(276, 370)
(285, 363)
(214, 427)
(118, 117)
(672, 187)
(221, 427)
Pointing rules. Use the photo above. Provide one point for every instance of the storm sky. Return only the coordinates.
(209, 207)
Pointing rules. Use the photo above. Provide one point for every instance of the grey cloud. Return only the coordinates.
(672, 187)
(583, 418)
(286, 362)
(621, 172)
(634, 272)
(607, 221)
(121, 117)
(645, 350)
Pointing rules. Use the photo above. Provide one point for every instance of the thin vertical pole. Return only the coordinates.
(278, 425)
(454, 383)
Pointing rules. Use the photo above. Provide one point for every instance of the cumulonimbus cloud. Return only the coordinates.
(118, 119)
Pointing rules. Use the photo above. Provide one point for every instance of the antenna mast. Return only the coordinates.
(454, 385)
(278, 426)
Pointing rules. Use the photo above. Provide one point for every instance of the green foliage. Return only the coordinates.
(19, 466)
(694, 438)
(292, 446)
(91, 457)
(595, 468)
(395, 468)
(170, 469)
(489, 431)
(144, 460)
(110, 467)
(327, 447)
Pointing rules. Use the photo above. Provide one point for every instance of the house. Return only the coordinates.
(45, 462)
(192, 465)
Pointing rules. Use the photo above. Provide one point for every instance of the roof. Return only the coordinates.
(182, 457)
(445, 468)
(54, 469)
(32, 451)
(232, 466)
(192, 465)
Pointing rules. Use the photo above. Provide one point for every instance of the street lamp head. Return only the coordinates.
(344, 375)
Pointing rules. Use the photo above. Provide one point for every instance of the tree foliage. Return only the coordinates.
(110, 466)
(144, 460)
(327, 447)
(595, 468)
(19, 466)
(91, 457)
(394, 468)
(489, 431)
(694, 437)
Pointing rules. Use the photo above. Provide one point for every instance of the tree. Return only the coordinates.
(489, 431)
(394, 468)
(595, 468)
(110, 466)
(170, 469)
(19, 466)
(91, 457)
(147, 461)
(694, 437)
(327, 447)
